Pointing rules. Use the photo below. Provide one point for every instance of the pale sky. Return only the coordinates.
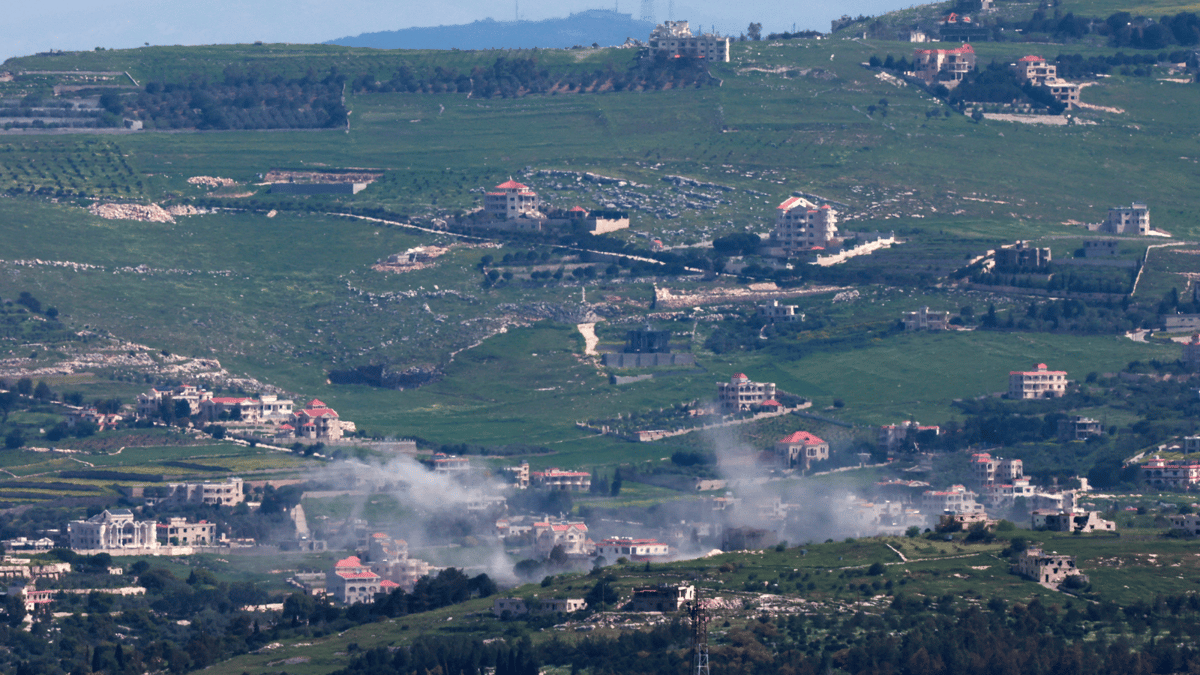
(72, 25)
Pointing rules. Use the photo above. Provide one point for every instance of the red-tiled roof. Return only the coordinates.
(801, 437)
(352, 561)
(771, 402)
(388, 583)
(316, 403)
(511, 184)
(358, 575)
(319, 412)
(740, 376)
(789, 203)
(578, 209)
(230, 400)
(1030, 58)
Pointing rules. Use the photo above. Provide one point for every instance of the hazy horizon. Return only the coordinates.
(74, 25)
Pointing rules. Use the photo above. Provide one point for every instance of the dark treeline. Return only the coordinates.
(914, 636)
(997, 83)
(511, 77)
(1122, 28)
(247, 97)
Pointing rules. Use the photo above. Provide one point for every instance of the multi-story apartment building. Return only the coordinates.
(572, 536)
(319, 421)
(1171, 474)
(948, 66)
(179, 532)
(510, 200)
(266, 408)
(227, 493)
(986, 469)
(741, 394)
(926, 319)
(1035, 69)
(957, 499)
(801, 225)
(1133, 219)
(1021, 254)
(674, 39)
(352, 582)
(1038, 383)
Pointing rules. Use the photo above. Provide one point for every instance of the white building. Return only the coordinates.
(926, 319)
(1038, 383)
(112, 531)
(150, 403)
(1133, 219)
(230, 492)
(558, 479)
(674, 39)
(634, 549)
(179, 532)
(572, 536)
(267, 408)
(801, 225)
(800, 448)
(777, 313)
(957, 499)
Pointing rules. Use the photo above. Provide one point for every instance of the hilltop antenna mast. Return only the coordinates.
(648, 10)
(700, 618)
(516, 10)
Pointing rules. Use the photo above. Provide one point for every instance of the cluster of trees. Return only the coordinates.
(1125, 30)
(1052, 277)
(1074, 316)
(243, 99)
(1072, 66)
(1000, 84)
(512, 77)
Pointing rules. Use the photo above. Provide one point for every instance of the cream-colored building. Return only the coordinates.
(519, 606)
(774, 312)
(572, 536)
(986, 469)
(634, 549)
(1039, 383)
(511, 200)
(1132, 219)
(352, 582)
(112, 531)
(957, 499)
(801, 225)
(319, 421)
(230, 492)
(150, 403)
(926, 319)
(741, 394)
(948, 66)
(267, 408)
(1046, 568)
(179, 532)
(664, 598)
(675, 40)
(1037, 70)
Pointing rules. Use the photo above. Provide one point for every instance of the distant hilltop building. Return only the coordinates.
(947, 66)
(774, 312)
(1021, 254)
(926, 319)
(647, 348)
(1132, 219)
(1049, 569)
(801, 225)
(514, 206)
(1038, 383)
(674, 39)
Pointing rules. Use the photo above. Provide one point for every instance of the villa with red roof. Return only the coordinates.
(1038, 383)
(352, 582)
(801, 225)
(572, 536)
(740, 394)
(319, 421)
(947, 66)
(511, 200)
(800, 448)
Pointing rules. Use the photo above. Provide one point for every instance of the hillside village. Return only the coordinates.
(647, 362)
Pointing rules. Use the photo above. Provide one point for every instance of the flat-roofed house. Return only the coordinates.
(1038, 383)
(741, 394)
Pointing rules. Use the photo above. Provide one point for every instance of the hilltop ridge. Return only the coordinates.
(598, 26)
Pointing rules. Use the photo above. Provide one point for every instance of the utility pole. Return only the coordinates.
(698, 614)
